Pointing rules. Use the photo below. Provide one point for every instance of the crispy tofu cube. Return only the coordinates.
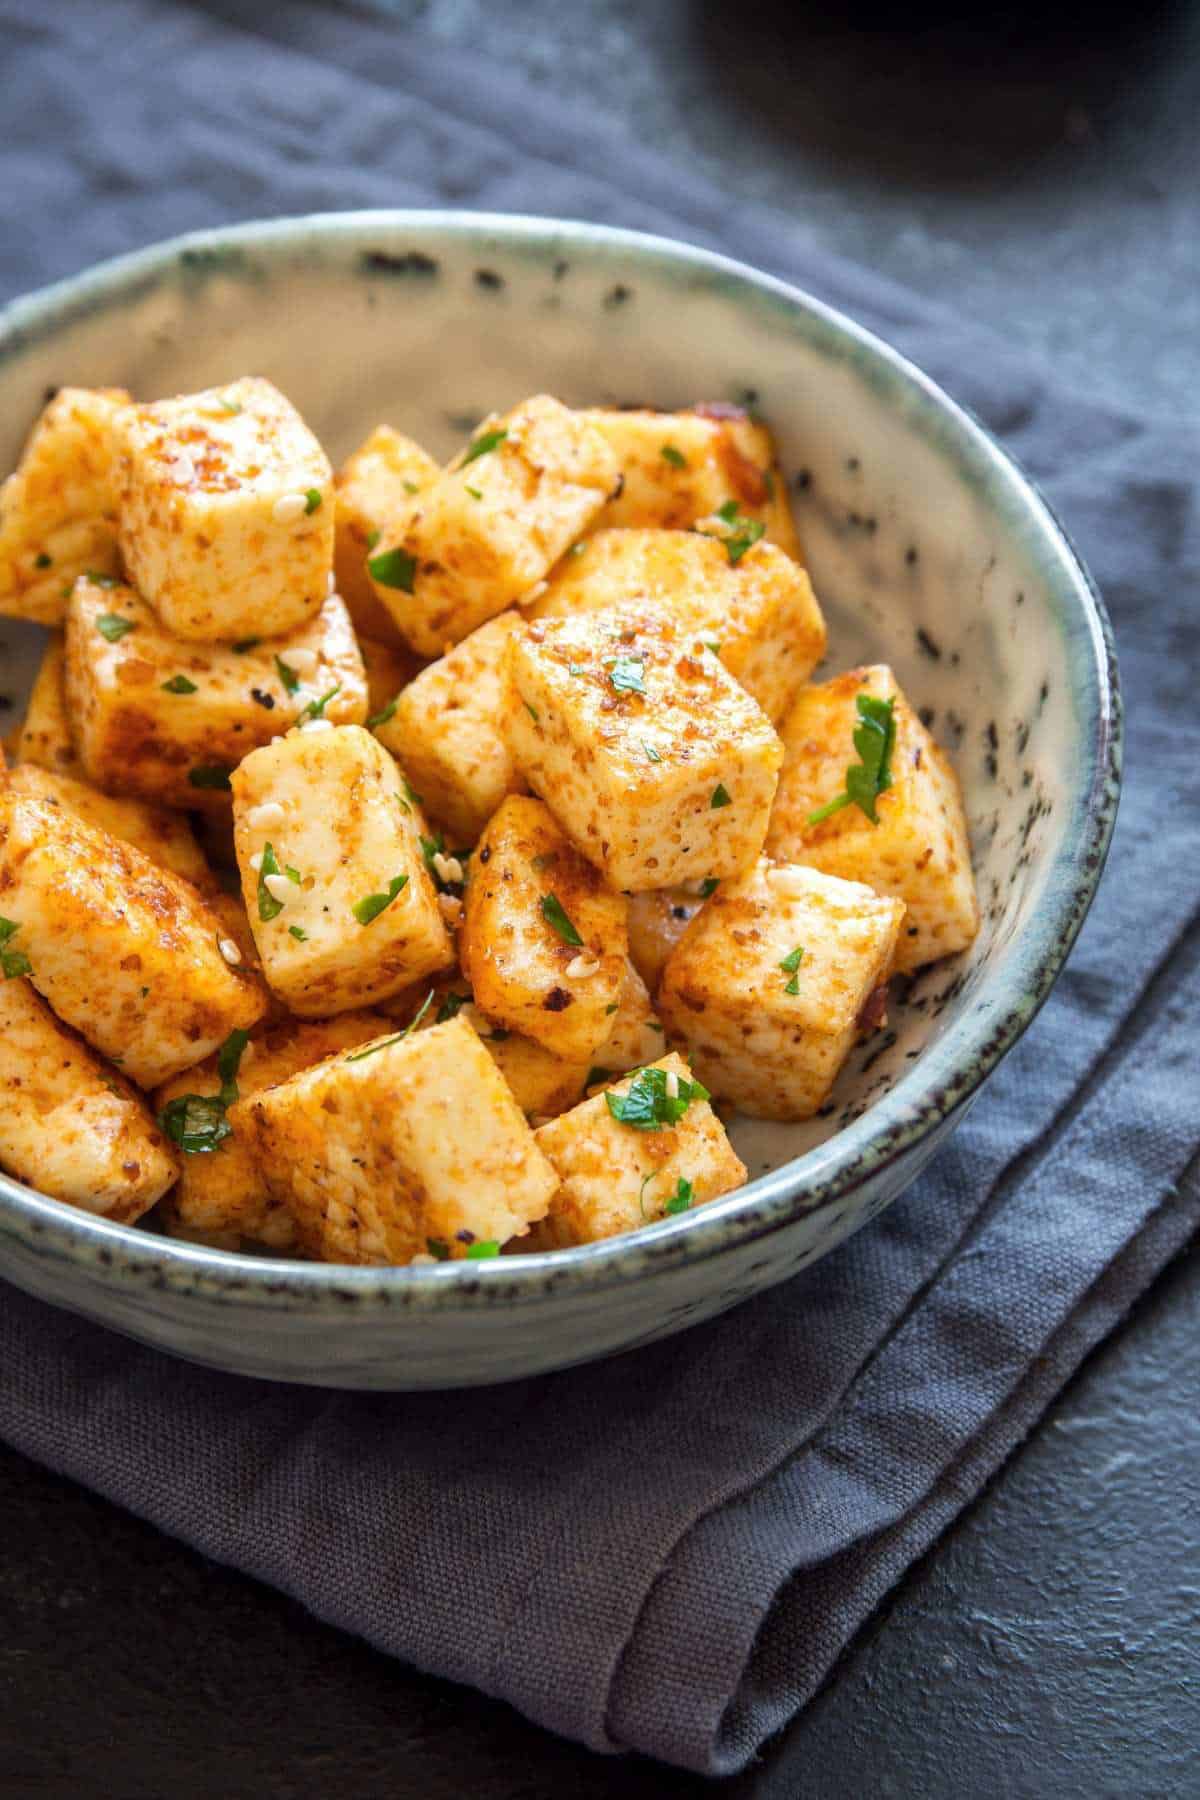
(58, 509)
(164, 836)
(637, 1036)
(373, 486)
(166, 719)
(772, 982)
(225, 512)
(342, 905)
(543, 942)
(389, 669)
(657, 921)
(657, 763)
(45, 736)
(124, 951)
(919, 851)
(223, 1191)
(615, 1176)
(760, 611)
(409, 1146)
(448, 731)
(493, 524)
(682, 466)
(70, 1126)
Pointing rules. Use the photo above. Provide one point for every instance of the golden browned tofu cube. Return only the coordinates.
(373, 487)
(408, 1146)
(341, 901)
(225, 512)
(680, 467)
(657, 921)
(657, 763)
(770, 983)
(164, 836)
(448, 731)
(637, 1036)
(759, 613)
(45, 735)
(69, 1125)
(124, 951)
(493, 524)
(648, 1148)
(58, 509)
(916, 850)
(168, 720)
(221, 1187)
(543, 941)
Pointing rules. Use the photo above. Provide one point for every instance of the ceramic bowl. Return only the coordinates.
(929, 549)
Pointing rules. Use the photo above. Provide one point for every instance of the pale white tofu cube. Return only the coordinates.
(374, 485)
(342, 904)
(773, 981)
(226, 514)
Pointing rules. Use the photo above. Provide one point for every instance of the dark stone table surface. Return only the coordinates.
(1042, 172)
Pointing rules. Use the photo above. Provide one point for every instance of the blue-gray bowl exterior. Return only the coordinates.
(931, 549)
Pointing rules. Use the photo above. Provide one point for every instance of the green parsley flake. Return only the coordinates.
(299, 933)
(485, 1247)
(12, 962)
(743, 531)
(487, 440)
(555, 916)
(709, 886)
(382, 718)
(410, 487)
(287, 675)
(532, 711)
(372, 905)
(577, 549)
(268, 906)
(179, 684)
(651, 753)
(627, 674)
(789, 965)
(875, 740)
(198, 1122)
(720, 796)
(452, 1005)
(386, 1043)
(675, 457)
(373, 538)
(232, 407)
(646, 1105)
(682, 1198)
(393, 568)
(316, 708)
(312, 499)
(113, 627)
(475, 493)
(210, 775)
(438, 1248)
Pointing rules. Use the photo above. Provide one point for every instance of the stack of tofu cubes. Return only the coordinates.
(517, 760)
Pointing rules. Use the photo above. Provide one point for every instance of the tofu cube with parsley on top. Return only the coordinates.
(749, 601)
(124, 951)
(221, 1188)
(543, 941)
(226, 513)
(773, 981)
(408, 1146)
(70, 1125)
(342, 904)
(447, 728)
(657, 921)
(45, 735)
(682, 466)
(916, 847)
(493, 524)
(372, 487)
(58, 508)
(157, 716)
(659, 765)
(646, 1149)
(164, 836)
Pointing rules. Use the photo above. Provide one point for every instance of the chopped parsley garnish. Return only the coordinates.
(112, 626)
(210, 775)
(438, 1248)
(789, 965)
(287, 675)
(42, 561)
(12, 962)
(312, 499)
(532, 711)
(651, 753)
(577, 549)
(720, 796)
(268, 906)
(316, 708)
(675, 457)
(487, 440)
(475, 493)
(713, 644)
(394, 569)
(410, 487)
(383, 717)
(743, 532)
(299, 933)
(386, 1043)
(576, 669)
(555, 916)
(682, 1198)
(197, 1122)
(452, 1005)
(244, 644)
(485, 1247)
(646, 1105)
(874, 739)
(179, 684)
(709, 886)
(232, 407)
(627, 674)
(371, 905)
(373, 538)
(410, 795)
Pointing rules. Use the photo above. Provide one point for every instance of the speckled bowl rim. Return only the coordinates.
(948, 1072)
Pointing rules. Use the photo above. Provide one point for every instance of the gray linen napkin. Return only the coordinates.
(667, 1551)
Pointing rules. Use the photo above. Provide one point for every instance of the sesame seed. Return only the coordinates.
(256, 861)
(447, 868)
(289, 507)
(229, 951)
(302, 662)
(279, 887)
(266, 816)
(671, 1085)
(182, 468)
(581, 966)
(452, 908)
(317, 725)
